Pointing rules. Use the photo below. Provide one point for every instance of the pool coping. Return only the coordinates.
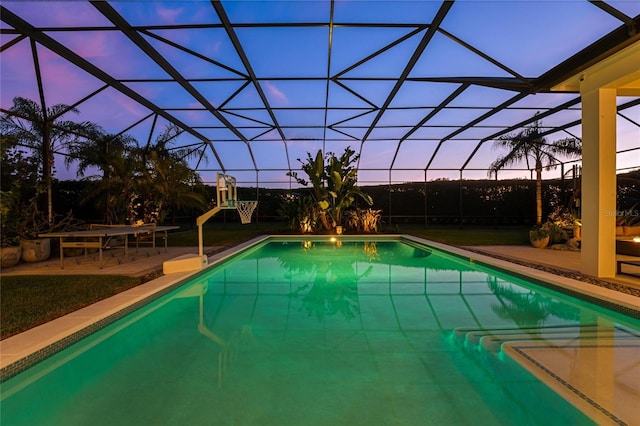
(19, 352)
(606, 297)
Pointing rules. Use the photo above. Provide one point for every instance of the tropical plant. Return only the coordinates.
(108, 154)
(539, 232)
(628, 217)
(333, 185)
(298, 212)
(140, 184)
(557, 234)
(99, 150)
(530, 145)
(564, 218)
(9, 219)
(43, 130)
(115, 192)
(19, 188)
(553, 230)
(166, 181)
(363, 220)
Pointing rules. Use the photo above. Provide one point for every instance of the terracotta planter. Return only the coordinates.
(10, 256)
(35, 250)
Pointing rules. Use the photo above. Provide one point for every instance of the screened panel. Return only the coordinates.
(266, 82)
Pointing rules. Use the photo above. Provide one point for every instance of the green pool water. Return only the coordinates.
(310, 333)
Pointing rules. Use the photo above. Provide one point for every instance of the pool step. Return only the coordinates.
(184, 263)
(491, 339)
(494, 343)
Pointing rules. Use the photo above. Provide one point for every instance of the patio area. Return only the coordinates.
(137, 263)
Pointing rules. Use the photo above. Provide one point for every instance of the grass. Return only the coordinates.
(471, 236)
(231, 234)
(28, 301)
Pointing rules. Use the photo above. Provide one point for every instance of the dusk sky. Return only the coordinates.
(319, 84)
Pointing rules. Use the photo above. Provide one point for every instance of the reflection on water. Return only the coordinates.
(331, 284)
(333, 289)
(527, 307)
(227, 347)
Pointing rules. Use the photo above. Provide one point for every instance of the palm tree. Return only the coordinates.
(530, 145)
(44, 131)
(166, 178)
(99, 150)
(113, 194)
(109, 154)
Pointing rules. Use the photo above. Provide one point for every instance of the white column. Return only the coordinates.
(598, 252)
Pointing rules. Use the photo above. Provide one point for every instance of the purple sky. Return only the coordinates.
(292, 66)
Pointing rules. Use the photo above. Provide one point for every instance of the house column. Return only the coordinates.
(598, 253)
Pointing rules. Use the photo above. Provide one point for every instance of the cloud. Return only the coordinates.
(168, 15)
(276, 94)
(215, 47)
(94, 45)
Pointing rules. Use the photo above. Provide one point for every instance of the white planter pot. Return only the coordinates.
(10, 256)
(540, 242)
(35, 250)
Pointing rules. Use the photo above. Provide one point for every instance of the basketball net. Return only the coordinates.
(245, 210)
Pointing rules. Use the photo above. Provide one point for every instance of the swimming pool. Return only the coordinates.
(311, 331)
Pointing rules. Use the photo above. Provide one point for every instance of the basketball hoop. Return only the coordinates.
(245, 210)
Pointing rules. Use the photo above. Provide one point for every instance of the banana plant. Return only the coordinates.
(333, 185)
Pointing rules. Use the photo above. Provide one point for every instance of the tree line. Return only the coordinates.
(438, 202)
(121, 180)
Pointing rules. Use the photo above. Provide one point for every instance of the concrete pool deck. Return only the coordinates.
(552, 363)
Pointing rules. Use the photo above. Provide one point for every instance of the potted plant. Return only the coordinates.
(568, 225)
(540, 235)
(10, 250)
(557, 234)
(21, 190)
(30, 225)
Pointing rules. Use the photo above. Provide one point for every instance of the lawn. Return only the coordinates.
(231, 234)
(28, 301)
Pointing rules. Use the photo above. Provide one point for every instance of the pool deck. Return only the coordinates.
(553, 363)
(566, 261)
(140, 263)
